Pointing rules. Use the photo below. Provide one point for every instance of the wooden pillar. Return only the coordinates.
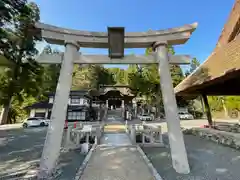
(207, 109)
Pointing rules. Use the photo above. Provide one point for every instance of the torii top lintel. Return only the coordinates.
(58, 35)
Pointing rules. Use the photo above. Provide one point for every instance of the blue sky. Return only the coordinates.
(142, 15)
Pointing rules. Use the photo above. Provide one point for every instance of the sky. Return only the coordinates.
(141, 15)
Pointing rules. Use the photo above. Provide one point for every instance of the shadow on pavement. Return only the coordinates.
(207, 160)
(20, 153)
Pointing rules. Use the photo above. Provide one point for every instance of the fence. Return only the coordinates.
(145, 134)
(82, 132)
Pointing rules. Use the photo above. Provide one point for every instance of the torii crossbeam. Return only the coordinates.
(104, 59)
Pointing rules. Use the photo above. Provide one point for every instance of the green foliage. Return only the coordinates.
(18, 46)
(51, 72)
(194, 65)
(217, 103)
(10, 9)
(91, 76)
(119, 75)
(177, 74)
(17, 112)
(146, 80)
(233, 102)
(98, 75)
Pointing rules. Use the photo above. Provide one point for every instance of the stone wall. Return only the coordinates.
(235, 128)
(225, 138)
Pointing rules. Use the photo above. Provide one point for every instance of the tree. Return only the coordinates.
(136, 80)
(233, 104)
(177, 74)
(80, 77)
(9, 10)
(98, 75)
(194, 65)
(19, 48)
(51, 72)
(147, 81)
(92, 77)
(120, 75)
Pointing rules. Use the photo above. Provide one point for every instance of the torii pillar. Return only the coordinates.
(56, 126)
(177, 146)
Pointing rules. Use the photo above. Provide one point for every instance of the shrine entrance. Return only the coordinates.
(115, 40)
(116, 96)
(114, 103)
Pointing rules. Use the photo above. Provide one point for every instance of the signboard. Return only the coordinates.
(116, 42)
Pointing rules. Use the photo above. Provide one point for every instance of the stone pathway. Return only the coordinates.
(116, 163)
(116, 159)
(119, 139)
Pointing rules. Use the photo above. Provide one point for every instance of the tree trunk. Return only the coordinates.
(5, 112)
(7, 104)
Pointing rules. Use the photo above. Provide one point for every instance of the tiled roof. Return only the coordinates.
(123, 91)
(46, 105)
(40, 105)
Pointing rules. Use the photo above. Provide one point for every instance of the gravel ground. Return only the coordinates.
(20, 152)
(208, 161)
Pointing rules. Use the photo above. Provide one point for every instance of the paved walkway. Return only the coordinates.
(116, 159)
(115, 139)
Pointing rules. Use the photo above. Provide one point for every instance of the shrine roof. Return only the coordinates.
(123, 91)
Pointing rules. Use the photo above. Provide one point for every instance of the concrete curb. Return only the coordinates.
(84, 164)
(149, 164)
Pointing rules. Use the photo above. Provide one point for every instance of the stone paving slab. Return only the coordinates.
(116, 163)
(118, 139)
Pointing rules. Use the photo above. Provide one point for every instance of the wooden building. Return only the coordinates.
(78, 106)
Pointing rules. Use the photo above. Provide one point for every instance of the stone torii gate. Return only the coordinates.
(116, 40)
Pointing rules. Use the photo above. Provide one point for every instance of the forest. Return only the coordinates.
(24, 81)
